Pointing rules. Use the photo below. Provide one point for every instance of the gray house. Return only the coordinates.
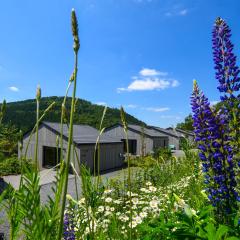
(173, 137)
(182, 133)
(141, 140)
(84, 138)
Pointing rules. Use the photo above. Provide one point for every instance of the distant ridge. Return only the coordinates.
(23, 113)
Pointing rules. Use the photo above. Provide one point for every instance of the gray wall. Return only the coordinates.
(158, 142)
(118, 132)
(109, 153)
(45, 138)
(174, 141)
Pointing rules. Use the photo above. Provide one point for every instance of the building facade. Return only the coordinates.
(141, 140)
(84, 139)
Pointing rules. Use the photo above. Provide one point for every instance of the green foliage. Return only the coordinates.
(186, 145)
(8, 139)
(202, 225)
(12, 165)
(143, 162)
(163, 153)
(2, 157)
(29, 219)
(156, 228)
(187, 124)
(2, 110)
(160, 156)
(23, 113)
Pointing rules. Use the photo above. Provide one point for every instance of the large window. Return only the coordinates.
(132, 144)
(51, 156)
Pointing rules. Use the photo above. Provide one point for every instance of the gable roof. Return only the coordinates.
(151, 133)
(180, 131)
(148, 131)
(82, 134)
(165, 131)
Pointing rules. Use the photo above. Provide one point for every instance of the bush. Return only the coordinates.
(2, 157)
(12, 165)
(163, 153)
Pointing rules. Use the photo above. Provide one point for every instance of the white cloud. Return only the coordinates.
(177, 12)
(147, 84)
(146, 72)
(14, 89)
(183, 12)
(175, 83)
(101, 103)
(149, 79)
(157, 109)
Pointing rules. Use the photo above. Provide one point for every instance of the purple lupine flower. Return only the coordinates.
(68, 231)
(215, 152)
(227, 74)
(227, 71)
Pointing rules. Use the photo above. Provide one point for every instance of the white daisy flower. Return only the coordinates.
(108, 200)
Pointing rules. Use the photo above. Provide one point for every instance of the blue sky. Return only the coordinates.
(142, 54)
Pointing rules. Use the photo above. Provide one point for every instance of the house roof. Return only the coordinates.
(151, 133)
(148, 131)
(180, 131)
(82, 134)
(166, 131)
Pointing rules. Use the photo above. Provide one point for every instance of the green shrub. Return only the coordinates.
(2, 157)
(12, 165)
(164, 153)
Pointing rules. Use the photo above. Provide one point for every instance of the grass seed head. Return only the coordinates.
(38, 93)
(76, 44)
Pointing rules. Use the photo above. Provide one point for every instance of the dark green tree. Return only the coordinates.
(23, 113)
(8, 139)
(187, 124)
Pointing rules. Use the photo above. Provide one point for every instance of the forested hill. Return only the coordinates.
(23, 113)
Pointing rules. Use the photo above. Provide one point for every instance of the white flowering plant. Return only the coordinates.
(112, 214)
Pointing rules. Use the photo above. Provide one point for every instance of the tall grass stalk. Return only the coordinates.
(125, 128)
(97, 148)
(74, 164)
(70, 137)
(64, 114)
(35, 126)
(30, 138)
(60, 173)
(38, 97)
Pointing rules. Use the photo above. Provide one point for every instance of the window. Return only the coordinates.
(132, 145)
(51, 156)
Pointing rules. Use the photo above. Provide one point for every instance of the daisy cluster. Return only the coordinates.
(125, 212)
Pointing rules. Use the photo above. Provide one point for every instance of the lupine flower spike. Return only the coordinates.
(227, 72)
(215, 153)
